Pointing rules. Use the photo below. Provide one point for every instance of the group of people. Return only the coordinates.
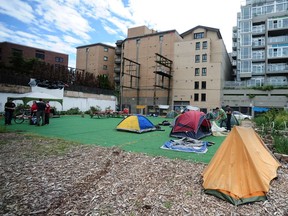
(224, 116)
(40, 110)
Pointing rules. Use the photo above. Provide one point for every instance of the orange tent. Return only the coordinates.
(241, 169)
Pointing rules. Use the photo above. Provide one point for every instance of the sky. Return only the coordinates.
(63, 25)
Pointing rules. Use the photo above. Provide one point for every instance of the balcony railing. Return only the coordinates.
(254, 83)
(278, 67)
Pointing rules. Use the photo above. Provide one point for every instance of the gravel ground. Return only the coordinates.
(91, 180)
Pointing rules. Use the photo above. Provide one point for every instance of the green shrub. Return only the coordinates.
(73, 111)
(95, 109)
(281, 144)
(275, 122)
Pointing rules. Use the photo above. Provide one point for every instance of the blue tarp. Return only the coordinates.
(172, 145)
(260, 109)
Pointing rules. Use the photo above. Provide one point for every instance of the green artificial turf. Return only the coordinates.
(102, 132)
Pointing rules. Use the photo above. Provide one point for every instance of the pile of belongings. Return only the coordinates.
(187, 144)
(218, 131)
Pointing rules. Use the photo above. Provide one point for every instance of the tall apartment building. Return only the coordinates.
(260, 54)
(160, 69)
(7, 50)
(145, 74)
(201, 66)
(97, 59)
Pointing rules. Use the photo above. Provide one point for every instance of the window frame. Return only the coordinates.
(203, 85)
(203, 97)
(196, 85)
(204, 45)
(196, 97)
(198, 35)
(204, 57)
(197, 58)
(197, 72)
(197, 46)
(202, 71)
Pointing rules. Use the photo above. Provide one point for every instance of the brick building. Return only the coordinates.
(7, 50)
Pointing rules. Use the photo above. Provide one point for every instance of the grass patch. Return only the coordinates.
(53, 147)
(3, 129)
(32, 146)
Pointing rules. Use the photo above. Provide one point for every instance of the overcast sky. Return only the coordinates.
(63, 25)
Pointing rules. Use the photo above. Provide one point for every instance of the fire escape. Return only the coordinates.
(163, 75)
(130, 76)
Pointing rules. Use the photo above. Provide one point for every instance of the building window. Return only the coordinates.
(17, 52)
(197, 58)
(204, 58)
(203, 85)
(204, 45)
(105, 58)
(198, 45)
(105, 67)
(197, 71)
(196, 97)
(199, 35)
(40, 54)
(196, 85)
(59, 59)
(105, 49)
(203, 97)
(204, 71)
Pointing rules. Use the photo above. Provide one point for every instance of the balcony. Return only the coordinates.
(281, 68)
(117, 79)
(258, 44)
(118, 51)
(117, 70)
(245, 74)
(119, 42)
(118, 61)
(258, 30)
(278, 51)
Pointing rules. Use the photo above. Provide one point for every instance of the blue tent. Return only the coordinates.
(136, 123)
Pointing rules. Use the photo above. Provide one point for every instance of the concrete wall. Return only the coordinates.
(70, 99)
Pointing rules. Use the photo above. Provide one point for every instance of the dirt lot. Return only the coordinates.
(52, 177)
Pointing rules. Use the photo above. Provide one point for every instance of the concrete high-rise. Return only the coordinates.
(259, 56)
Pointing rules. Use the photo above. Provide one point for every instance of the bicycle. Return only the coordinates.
(24, 115)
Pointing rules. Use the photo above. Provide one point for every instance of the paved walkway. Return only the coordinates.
(246, 123)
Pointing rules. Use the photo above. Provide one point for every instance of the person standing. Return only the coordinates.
(47, 113)
(221, 115)
(229, 115)
(9, 110)
(41, 106)
(33, 113)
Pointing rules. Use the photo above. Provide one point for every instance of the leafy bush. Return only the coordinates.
(281, 144)
(275, 121)
(95, 109)
(73, 111)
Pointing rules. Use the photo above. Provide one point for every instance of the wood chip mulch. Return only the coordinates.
(91, 180)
